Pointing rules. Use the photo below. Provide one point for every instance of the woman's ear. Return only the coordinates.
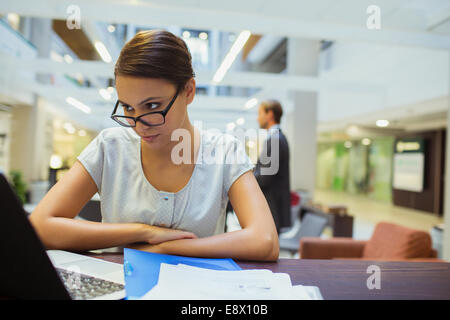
(190, 90)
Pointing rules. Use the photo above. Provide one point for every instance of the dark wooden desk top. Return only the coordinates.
(347, 279)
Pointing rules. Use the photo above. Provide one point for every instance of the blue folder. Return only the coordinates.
(141, 268)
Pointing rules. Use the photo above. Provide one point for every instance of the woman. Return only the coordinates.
(150, 200)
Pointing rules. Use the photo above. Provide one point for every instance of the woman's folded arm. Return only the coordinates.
(257, 240)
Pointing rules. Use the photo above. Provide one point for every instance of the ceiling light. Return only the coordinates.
(186, 34)
(111, 28)
(77, 104)
(352, 131)
(56, 56)
(231, 55)
(55, 162)
(240, 121)
(382, 123)
(69, 128)
(366, 141)
(251, 103)
(203, 35)
(82, 133)
(105, 94)
(102, 51)
(68, 58)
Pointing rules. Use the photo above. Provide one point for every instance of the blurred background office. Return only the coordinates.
(364, 87)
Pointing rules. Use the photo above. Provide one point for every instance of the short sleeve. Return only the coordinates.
(92, 159)
(236, 163)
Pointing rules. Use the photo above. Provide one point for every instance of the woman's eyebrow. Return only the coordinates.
(148, 99)
(142, 102)
(123, 103)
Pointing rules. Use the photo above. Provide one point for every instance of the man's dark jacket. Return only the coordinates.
(275, 186)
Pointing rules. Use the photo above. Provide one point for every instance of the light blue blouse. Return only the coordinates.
(113, 159)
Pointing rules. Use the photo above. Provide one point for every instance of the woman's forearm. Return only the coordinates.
(70, 234)
(243, 244)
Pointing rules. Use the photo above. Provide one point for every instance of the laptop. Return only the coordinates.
(28, 271)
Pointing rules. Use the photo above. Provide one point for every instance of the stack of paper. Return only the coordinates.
(183, 282)
(141, 268)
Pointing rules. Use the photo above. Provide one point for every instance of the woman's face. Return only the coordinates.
(142, 95)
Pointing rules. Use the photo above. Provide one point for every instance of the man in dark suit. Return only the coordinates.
(272, 168)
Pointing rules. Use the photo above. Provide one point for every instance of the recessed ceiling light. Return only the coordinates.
(77, 104)
(382, 123)
(68, 58)
(231, 55)
(105, 94)
(102, 51)
(55, 161)
(251, 103)
(186, 34)
(352, 130)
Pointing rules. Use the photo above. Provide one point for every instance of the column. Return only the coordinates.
(301, 123)
(32, 135)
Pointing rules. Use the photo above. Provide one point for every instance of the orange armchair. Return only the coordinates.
(389, 242)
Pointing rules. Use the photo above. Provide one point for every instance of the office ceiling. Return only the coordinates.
(405, 63)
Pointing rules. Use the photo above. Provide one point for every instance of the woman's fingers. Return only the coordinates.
(159, 234)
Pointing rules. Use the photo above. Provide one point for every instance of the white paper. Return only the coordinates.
(180, 282)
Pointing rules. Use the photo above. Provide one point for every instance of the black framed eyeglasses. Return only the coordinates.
(153, 118)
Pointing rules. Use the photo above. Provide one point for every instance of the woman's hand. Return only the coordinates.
(156, 235)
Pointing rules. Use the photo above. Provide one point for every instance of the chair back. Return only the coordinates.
(312, 225)
(91, 211)
(394, 241)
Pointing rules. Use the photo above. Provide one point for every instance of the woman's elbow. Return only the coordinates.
(271, 247)
(39, 226)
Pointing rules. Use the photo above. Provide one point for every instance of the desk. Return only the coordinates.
(346, 279)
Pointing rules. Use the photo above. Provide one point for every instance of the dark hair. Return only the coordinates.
(156, 54)
(275, 107)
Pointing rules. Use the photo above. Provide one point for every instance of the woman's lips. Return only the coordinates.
(150, 138)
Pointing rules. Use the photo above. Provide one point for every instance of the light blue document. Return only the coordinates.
(141, 268)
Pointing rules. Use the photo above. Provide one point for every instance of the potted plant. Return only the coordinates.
(19, 185)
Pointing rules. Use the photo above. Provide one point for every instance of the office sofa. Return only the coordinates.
(389, 242)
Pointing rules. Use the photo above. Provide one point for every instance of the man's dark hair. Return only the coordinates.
(275, 107)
